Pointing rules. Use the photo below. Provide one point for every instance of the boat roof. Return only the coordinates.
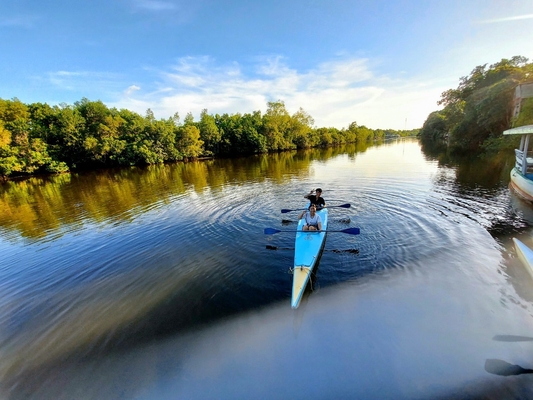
(521, 130)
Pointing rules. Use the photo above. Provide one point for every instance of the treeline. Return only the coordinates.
(39, 138)
(477, 112)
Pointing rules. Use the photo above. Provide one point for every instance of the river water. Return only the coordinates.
(158, 282)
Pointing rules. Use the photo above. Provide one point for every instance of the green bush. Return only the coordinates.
(526, 114)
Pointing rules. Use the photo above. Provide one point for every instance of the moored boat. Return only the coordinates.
(522, 173)
(308, 248)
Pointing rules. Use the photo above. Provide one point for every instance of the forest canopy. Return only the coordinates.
(39, 138)
(476, 113)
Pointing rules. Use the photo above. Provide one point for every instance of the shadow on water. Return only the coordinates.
(109, 318)
(503, 368)
(368, 340)
(512, 338)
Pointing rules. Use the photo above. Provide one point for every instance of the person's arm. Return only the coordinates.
(309, 194)
(319, 223)
(301, 215)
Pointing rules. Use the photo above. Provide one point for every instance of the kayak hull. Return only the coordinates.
(525, 254)
(308, 248)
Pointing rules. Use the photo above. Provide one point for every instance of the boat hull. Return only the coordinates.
(525, 254)
(522, 185)
(308, 248)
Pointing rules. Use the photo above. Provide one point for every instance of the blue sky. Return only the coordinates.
(380, 63)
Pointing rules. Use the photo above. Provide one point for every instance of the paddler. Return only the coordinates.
(313, 222)
(315, 197)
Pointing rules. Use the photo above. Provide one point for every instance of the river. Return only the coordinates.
(158, 282)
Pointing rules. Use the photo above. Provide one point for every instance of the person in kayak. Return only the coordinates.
(315, 197)
(313, 222)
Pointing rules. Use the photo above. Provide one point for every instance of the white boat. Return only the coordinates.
(525, 254)
(522, 173)
(308, 248)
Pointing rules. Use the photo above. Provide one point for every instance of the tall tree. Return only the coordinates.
(480, 108)
(189, 143)
(434, 128)
(276, 124)
(209, 132)
(301, 124)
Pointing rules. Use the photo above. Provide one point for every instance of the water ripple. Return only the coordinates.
(183, 253)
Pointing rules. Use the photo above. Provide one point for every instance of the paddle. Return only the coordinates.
(341, 220)
(353, 251)
(285, 210)
(351, 231)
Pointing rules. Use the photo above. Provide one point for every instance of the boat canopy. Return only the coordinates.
(521, 130)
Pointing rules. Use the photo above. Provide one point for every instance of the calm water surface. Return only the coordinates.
(158, 283)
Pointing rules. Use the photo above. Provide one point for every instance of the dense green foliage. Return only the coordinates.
(38, 138)
(480, 109)
(526, 113)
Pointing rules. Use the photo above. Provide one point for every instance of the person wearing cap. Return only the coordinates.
(313, 222)
(315, 197)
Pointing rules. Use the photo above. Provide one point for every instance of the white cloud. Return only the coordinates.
(272, 66)
(155, 5)
(507, 19)
(334, 93)
(25, 21)
(167, 12)
(83, 81)
(132, 89)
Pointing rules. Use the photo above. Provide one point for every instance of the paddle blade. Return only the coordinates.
(285, 210)
(352, 231)
(271, 231)
(353, 251)
(347, 205)
(270, 247)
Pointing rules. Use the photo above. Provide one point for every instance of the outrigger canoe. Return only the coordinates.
(308, 248)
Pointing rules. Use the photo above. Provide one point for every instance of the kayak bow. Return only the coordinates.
(525, 254)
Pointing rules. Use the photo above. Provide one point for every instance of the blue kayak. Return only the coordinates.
(308, 248)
